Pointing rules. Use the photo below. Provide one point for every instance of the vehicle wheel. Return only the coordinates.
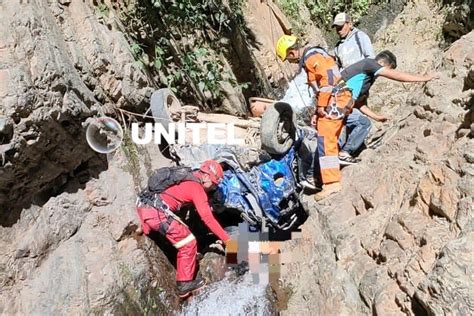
(163, 102)
(278, 128)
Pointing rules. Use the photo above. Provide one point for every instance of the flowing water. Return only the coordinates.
(231, 296)
(242, 295)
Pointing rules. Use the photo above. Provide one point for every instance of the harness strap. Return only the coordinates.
(308, 52)
(161, 205)
(358, 43)
(334, 111)
(164, 226)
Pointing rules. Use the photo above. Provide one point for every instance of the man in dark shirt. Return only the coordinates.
(359, 77)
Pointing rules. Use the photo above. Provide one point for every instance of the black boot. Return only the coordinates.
(186, 287)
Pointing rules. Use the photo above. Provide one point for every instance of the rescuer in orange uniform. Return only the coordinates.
(333, 104)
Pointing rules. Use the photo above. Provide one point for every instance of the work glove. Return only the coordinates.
(218, 247)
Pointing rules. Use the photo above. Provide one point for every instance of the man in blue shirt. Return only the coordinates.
(360, 76)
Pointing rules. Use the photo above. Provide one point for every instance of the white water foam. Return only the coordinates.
(240, 296)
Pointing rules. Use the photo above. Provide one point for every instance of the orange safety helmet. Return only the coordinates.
(213, 169)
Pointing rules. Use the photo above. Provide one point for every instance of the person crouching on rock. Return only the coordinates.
(359, 78)
(168, 189)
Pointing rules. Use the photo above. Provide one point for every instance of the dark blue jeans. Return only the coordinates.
(357, 128)
(306, 153)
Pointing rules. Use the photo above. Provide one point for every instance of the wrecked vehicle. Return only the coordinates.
(261, 178)
(266, 195)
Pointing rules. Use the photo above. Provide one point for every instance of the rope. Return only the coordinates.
(141, 115)
(129, 113)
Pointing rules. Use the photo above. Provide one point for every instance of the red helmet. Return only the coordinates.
(213, 169)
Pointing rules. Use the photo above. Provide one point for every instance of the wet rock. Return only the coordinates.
(213, 267)
(89, 236)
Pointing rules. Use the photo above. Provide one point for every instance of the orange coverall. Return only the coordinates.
(324, 72)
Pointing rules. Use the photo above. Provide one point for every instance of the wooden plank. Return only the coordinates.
(225, 118)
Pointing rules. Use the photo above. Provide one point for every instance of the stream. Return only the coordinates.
(230, 296)
(243, 295)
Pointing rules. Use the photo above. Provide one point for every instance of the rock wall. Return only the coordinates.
(79, 254)
(459, 18)
(397, 239)
(67, 213)
(266, 29)
(59, 67)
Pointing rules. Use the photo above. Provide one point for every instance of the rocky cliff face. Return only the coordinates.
(398, 238)
(66, 212)
(78, 252)
(59, 67)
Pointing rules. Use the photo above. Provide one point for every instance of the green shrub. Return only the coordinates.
(177, 41)
(322, 12)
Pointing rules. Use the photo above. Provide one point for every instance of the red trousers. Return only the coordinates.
(178, 234)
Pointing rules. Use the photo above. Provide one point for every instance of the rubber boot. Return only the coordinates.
(185, 288)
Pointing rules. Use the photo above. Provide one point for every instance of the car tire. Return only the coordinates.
(162, 103)
(278, 128)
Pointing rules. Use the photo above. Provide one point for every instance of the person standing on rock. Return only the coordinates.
(353, 46)
(158, 203)
(331, 106)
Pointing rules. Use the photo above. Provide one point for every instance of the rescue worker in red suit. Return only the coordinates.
(188, 191)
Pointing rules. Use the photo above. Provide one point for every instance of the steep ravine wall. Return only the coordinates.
(65, 61)
(59, 67)
(398, 238)
(67, 213)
